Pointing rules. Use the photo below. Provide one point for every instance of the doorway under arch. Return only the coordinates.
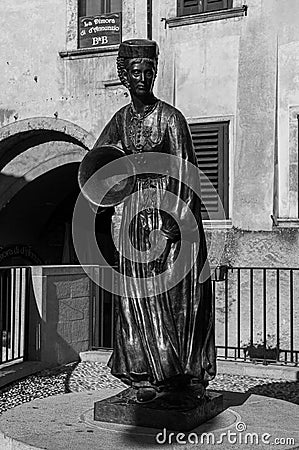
(40, 217)
(39, 161)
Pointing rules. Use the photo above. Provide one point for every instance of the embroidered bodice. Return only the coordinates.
(162, 128)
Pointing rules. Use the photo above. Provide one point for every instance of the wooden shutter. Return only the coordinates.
(187, 7)
(93, 7)
(216, 5)
(81, 8)
(210, 142)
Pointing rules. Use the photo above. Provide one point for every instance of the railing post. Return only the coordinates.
(265, 307)
(277, 313)
(27, 273)
(1, 314)
(112, 298)
(221, 275)
(7, 306)
(91, 307)
(251, 306)
(238, 312)
(292, 315)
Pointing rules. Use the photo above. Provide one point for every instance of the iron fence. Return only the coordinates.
(102, 313)
(255, 312)
(13, 308)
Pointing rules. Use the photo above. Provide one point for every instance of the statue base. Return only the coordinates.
(175, 411)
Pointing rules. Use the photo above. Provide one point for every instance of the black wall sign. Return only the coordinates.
(100, 31)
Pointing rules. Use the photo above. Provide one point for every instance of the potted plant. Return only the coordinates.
(259, 351)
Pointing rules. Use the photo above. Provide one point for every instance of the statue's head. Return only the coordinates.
(137, 65)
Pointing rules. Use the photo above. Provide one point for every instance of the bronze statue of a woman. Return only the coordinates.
(164, 341)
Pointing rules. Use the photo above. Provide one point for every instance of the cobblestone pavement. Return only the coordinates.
(87, 376)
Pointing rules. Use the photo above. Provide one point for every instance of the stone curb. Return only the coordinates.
(15, 372)
(259, 370)
(223, 367)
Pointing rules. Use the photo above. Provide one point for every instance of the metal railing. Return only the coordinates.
(102, 312)
(13, 307)
(255, 311)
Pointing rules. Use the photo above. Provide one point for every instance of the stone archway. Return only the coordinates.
(39, 159)
(34, 146)
(36, 129)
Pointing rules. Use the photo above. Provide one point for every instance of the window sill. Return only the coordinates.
(206, 17)
(112, 83)
(217, 224)
(287, 223)
(89, 52)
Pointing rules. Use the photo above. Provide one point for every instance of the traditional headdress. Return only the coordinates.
(135, 48)
(138, 48)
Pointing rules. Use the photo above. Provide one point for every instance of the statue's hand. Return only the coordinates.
(162, 258)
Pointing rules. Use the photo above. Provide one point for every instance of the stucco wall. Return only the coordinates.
(245, 70)
(288, 45)
(254, 248)
(226, 69)
(38, 82)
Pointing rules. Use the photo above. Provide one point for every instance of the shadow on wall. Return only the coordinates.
(7, 183)
(12, 253)
(58, 314)
(40, 216)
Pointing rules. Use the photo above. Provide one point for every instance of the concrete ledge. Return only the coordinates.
(206, 16)
(15, 372)
(89, 52)
(225, 367)
(96, 356)
(259, 370)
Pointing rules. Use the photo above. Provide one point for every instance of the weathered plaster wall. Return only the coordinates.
(254, 248)
(29, 71)
(233, 69)
(223, 69)
(288, 48)
(38, 82)
(254, 156)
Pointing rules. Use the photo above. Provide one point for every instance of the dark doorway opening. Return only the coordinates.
(40, 217)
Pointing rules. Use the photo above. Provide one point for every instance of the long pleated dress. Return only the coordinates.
(160, 336)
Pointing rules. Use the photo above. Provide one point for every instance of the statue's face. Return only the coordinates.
(140, 77)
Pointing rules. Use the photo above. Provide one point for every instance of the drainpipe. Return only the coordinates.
(275, 178)
(149, 19)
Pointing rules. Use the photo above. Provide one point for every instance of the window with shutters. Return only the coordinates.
(188, 7)
(210, 142)
(99, 23)
(95, 7)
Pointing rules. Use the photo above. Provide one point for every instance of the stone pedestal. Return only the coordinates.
(179, 411)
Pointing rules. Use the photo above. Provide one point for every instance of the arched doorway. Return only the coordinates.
(39, 161)
(40, 216)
